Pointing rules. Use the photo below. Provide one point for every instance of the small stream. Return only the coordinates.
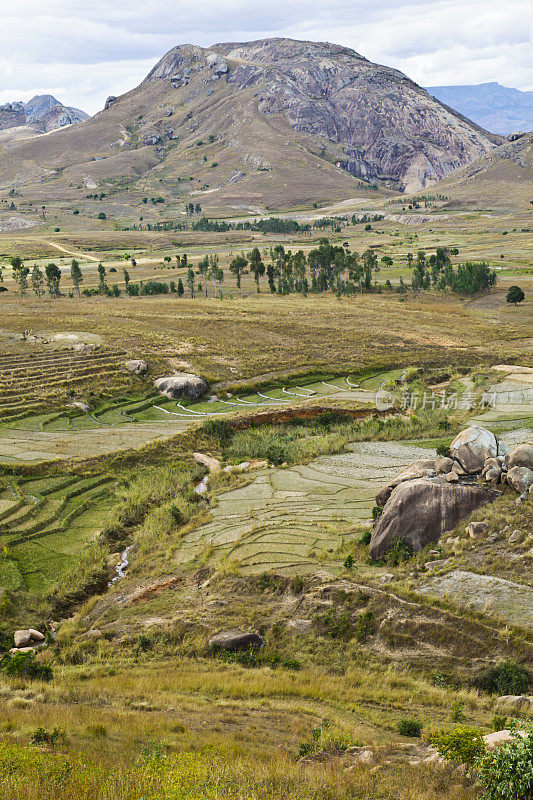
(121, 566)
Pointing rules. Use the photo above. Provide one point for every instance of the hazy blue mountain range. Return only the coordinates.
(496, 108)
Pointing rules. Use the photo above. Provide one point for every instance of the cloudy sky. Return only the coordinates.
(83, 50)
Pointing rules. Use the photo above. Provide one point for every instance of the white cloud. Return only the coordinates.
(84, 51)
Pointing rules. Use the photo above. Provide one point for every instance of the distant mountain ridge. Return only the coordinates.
(43, 113)
(496, 108)
(267, 124)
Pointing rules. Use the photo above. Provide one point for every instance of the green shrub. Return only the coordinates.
(218, 429)
(25, 665)
(499, 721)
(259, 658)
(42, 736)
(457, 712)
(410, 727)
(443, 449)
(507, 677)
(348, 562)
(460, 745)
(364, 626)
(398, 552)
(365, 537)
(377, 511)
(506, 772)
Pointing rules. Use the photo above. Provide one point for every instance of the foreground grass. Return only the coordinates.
(197, 728)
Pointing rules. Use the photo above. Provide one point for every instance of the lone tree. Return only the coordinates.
(53, 277)
(238, 266)
(76, 275)
(102, 285)
(37, 280)
(257, 268)
(515, 295)
(20, 274)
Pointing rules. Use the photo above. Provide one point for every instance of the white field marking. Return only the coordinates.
(338, 388)
(175, 413)
(353, 385)
(272, 399)
(190, 410)
(296, 394)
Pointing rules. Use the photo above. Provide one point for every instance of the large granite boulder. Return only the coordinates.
(521, 456)
(472, 447)
(418, 469)
(184, 384)
(421, 510)
(520, 478)
(236, 640)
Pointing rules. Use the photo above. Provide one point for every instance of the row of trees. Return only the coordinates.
(327, 267)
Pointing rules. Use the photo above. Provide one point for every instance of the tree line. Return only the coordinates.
(326, 268)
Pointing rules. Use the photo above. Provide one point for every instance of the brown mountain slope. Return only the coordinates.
(502, 178)
(272, 123)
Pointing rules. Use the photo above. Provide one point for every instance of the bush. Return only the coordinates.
(398, 552)
(365, 537)
(506, 773)
(24, 665)
(515, 295)
(364, 626)
(508, 677)
(42, 736)
(377, 511)
(462, 745)
(348, 562)
(499, 721)
(443, 449)
(410, 727)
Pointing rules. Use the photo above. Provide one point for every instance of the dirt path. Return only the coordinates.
(83, 256)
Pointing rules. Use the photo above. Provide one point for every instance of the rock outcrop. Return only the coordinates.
(236, 640)
(136, 366)
(184, 384)
(472, 447)
(419, 511)
(27, 639)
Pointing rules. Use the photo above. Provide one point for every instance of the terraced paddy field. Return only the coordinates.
(297, 519)
(46, 524)
(131, 422)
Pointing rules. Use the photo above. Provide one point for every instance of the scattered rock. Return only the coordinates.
(515, 536)
(452, 477)
(22, 638)
(498, 738)
(477, 529)
(212, 464)
(94, 633)
(387, 577)
(236, 640)
(419, 511)
(299, 625)
(79, 404)
(109, 102)
(436, 564)
(521, 456)
(472, 447)
(492, 470)
(184, 384)
(137, 366)
(520, 702)
(27, 639)
(520, 478)
(444, 464)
